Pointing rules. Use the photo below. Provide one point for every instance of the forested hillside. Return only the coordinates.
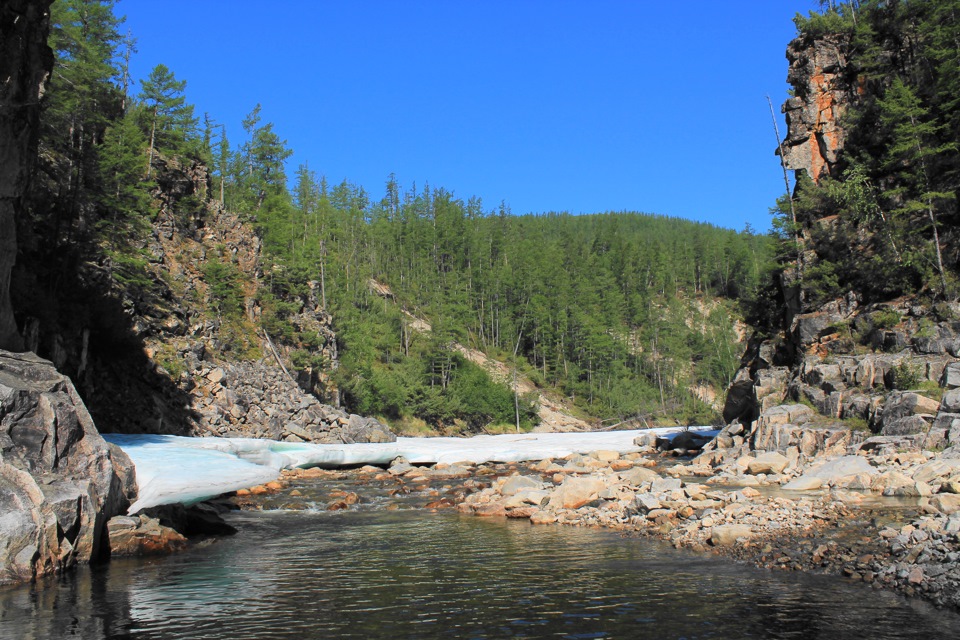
(625, 314)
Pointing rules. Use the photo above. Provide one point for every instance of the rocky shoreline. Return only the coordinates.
(901, 542)
(905, 542)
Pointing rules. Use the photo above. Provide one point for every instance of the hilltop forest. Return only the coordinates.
(623, 314)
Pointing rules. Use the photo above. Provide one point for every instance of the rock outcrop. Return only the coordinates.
(822, 95)
(25, 64)
(59, 480)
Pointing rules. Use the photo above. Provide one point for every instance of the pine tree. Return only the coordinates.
(81, 100)
(914, 146)
(170, 120)
(126, 194)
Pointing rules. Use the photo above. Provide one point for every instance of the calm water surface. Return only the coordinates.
(414, 574)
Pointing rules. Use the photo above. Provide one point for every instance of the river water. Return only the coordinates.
(418, 574)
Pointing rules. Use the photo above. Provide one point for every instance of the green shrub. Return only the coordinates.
(885, 319)
(906, 376)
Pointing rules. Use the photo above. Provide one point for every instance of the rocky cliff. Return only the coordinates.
(879, 367)
(152, 349)
(822, 94)
(25, 63)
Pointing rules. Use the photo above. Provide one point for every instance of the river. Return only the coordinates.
(419, 574)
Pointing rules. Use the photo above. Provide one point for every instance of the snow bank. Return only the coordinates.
(172, 469)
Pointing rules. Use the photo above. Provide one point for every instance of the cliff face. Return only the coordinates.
(823, 93)
(25, 64)
(59, 480)
(877, 366)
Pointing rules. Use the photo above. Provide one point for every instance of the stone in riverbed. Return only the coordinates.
(804, 483)
(576, 492)
(604, 455)
(646, 502)
(727, 534)
(946, 502)
(142, 536)
(515, 484)
(936, 468)
(769, 462)
(526, 498)
(638, 476)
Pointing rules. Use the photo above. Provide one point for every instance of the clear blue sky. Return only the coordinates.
(550, 106)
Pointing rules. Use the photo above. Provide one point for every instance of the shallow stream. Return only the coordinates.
(420, 574)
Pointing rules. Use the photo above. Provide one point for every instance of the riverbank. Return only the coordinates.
(903, 542)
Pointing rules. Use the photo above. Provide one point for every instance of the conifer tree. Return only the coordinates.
(913, 148)
(170, 120)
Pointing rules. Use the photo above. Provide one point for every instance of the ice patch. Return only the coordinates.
(173, 469)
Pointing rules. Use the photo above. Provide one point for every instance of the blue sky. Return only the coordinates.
(548, 106)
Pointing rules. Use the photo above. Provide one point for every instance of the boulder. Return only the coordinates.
(646, 440)
(687, 440)
(576, 492)
(908, 425)
(950, 424)
(901, 411)
(605, 455)
(936, 469)
(516, 484)
(58, 481)
(360, 429)
(809, 326)
(804, 483)
(833, 471)
(768, 462)
(728, 534)
(951, 376)
(142, 536)
(946, 502)
(646, 503)
(638, 476)
(787, 414)
(950, 403)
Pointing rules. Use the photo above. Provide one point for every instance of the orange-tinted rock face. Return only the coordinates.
(822, 94)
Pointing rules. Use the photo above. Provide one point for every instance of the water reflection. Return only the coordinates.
(419, 575)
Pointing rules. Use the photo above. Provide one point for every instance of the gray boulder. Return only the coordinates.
(360, 429)
(951, 376)
(58, 481)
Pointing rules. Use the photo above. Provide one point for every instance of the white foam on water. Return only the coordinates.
(173, 469)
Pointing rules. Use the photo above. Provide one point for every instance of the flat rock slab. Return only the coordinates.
(841, 467)
(804, 483)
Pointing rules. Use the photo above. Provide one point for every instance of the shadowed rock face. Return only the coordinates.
(59, 480)
(25, 64)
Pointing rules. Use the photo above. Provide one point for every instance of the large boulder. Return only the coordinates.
(576, 492)
(768, 462)
(361, 429)
(58, 481)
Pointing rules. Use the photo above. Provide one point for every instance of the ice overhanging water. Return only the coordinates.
(174, 469)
